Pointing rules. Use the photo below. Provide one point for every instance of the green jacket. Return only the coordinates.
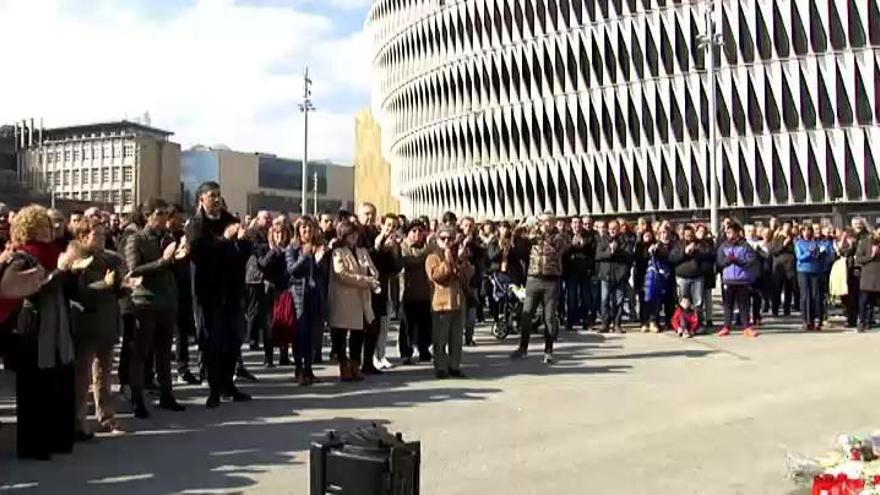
(143, 256)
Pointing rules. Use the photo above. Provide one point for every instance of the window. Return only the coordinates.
(127, 174)
(116, 173)
(58, 156)
(107, 151)
(76, 195)
(87, 196)
(57, 180)
(128, 150)
(126, 197)
(95, 176)
(65, 180)
(50, 158)
(77, 154)
(76, 177)
(87, 152)
(105, 175)
(49, 178)
(85, 174)
(114, 197)
(67, 155)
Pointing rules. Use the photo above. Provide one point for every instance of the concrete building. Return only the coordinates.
(372, 173)
(255, 181)
(505, 108)
(121, 163)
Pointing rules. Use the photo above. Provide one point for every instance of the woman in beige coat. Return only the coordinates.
(352, 279)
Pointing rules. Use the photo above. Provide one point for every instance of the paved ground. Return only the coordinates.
(617, 415)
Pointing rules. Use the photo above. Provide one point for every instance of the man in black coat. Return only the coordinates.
(219, 253)
(257, 297)
(186, 326)
(614, 257)
(577, 272)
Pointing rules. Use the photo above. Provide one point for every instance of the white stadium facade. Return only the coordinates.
(506, 108)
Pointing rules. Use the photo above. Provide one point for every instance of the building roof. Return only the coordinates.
(105, 127)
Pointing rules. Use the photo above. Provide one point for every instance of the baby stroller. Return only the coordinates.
(510, 299)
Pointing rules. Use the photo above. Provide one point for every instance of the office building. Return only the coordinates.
(372, 173)
(118, 163)
(256, 181)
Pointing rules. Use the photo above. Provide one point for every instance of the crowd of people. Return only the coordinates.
(161, 282)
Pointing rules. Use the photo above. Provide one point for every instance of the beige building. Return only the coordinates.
(119, 163)
(257, 181)
(372, 173)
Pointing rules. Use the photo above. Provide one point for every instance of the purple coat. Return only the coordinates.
(736, 262)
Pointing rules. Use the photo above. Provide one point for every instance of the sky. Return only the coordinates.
(211, 71)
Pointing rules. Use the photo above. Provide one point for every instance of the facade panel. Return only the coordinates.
(503, 108)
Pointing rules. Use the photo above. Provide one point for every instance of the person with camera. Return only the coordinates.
(150, 255)
(868, 259)
(219, 250)
(450, 274)
(548, 246)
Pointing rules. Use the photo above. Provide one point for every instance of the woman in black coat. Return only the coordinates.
(868, 257)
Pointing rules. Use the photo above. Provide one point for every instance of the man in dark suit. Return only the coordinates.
(219, 252)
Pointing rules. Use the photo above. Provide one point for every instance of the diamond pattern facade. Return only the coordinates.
(506, 108)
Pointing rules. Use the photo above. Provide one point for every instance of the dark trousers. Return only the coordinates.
(783, 289)
(125, 351)
(824, 278)
(539, 291)
(222, 343)
(45, 410)
(355, 342)
(257, 307)
(578, 297)
(186, 330)
(851, 300)
(303, 351)
(810, 293)
(371, 339)
(867, 301)
(154, 331)
(415, 329)
(735, 297)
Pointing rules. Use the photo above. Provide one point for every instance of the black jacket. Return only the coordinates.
(259, 249)
(580, 260)
(218, 263)
(691, 265)
(783, 258)
(614, 265)
(143, 258)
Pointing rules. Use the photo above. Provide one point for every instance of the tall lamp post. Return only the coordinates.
(305, 107)
(709, 40)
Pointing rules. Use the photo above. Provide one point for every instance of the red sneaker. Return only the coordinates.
(724, 332)
(750, 332)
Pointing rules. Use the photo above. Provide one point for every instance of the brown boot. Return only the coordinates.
(356, 374)
(345, 370)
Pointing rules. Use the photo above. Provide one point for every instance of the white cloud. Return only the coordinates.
(213, 73)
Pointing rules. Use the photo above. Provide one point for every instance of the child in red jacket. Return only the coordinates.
(685, 321)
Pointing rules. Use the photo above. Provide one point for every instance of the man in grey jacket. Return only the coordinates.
(149, 255)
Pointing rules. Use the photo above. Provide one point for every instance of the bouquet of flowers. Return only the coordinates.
(852, 468)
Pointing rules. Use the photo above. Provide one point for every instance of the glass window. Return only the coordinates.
(87, 195)
(76, 177)
(95, 176)
(116, 173)
(105, 175)
(77, 154)
(129, 150)
(67, 155)
(114, 197)
(57, 178)
(126, 197)
(127, 174)
(65, 179)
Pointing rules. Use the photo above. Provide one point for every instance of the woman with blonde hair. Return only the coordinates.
(352, 279)
(44, 353)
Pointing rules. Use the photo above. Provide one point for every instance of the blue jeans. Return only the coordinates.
(577, 297)
(810, 293)
(613, 293)
(691, 288)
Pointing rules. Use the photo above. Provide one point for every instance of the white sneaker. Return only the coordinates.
(386, 364)
(548, 358)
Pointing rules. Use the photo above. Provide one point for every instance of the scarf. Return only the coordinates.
(46, 253)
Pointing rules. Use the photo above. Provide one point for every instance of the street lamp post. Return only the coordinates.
(708, 41)
(305, 107)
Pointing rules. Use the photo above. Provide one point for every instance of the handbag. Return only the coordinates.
(283, 328)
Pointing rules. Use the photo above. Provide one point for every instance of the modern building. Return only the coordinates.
(372, 173)
(255, 181)
(119, 163)
(505, 108)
